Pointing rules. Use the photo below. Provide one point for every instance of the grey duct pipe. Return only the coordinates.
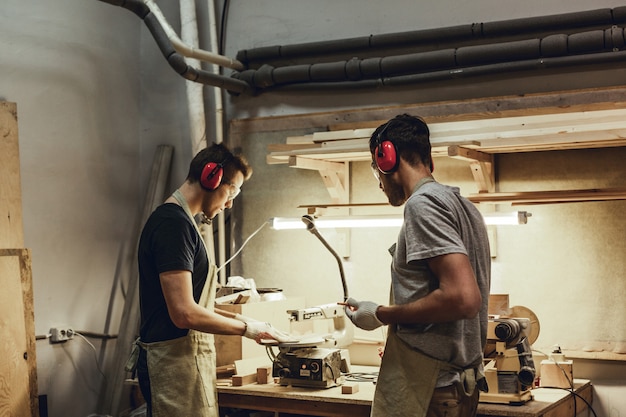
(484, 70)
(573, 49)
(176, 60)
(555, 50)
(441, 37)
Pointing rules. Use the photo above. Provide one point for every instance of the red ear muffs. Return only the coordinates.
(211, 176)
(386, 157)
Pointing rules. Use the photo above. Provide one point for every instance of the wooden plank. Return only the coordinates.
(251, 365)
(443, 111)
(18, 366)
(110, 398)
(286, 147)
(11, 223)
(352, 152)
(556, 196)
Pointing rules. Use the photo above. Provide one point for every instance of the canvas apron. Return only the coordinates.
(182, 371)
(407, 378)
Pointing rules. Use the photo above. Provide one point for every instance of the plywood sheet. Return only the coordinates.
(12, 235)
(18, 375)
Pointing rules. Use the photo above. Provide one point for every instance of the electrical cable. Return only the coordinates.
(577, 395)
(571, 384)
(243, 245)
(362, 377)
(222, 40)
(95, 352)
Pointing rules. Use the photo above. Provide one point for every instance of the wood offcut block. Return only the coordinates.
(263, 374)
(241, 380)
(350, 388)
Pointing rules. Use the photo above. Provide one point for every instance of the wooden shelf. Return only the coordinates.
(474, 137)
(550, 197)
(553, 131)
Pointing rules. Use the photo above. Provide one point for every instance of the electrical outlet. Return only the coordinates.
(61, 334)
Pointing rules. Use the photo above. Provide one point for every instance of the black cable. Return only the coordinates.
(222, 39)
(361, 376)
(575, 394)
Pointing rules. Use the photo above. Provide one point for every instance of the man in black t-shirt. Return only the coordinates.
(177, 280)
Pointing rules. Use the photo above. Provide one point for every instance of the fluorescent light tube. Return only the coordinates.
(283, 223)
(512, 218)
(286, 223)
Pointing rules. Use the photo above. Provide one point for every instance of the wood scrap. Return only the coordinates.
(263, 374)
(350, 388)
(241, 380)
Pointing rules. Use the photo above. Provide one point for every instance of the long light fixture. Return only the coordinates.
(503, 219)
(336, 222)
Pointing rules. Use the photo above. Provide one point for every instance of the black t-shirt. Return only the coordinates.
(169, 242)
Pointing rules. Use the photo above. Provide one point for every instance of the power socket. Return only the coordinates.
(61, 334)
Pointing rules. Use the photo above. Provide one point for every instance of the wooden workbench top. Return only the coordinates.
(330, 401)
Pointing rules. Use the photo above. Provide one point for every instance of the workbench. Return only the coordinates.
(330, 402)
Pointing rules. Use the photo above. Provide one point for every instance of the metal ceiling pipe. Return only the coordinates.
(174, 59)
(448, 61)
(461, 73)
(441, 37)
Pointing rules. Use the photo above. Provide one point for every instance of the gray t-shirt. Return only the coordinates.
(439, 221)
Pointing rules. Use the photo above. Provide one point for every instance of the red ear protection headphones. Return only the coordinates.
(212, 174)
(385, 154)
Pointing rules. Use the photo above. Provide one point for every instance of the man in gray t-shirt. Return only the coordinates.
(440, 284)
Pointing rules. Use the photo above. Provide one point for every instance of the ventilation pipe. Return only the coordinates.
(175, 59)
(553, 51)
(581, 38)
(440, 38)
(219, 137)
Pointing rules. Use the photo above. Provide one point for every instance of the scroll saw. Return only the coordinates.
(316, 360)
(510, 372)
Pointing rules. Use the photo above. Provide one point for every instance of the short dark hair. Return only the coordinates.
(409, 134)
(218, 153)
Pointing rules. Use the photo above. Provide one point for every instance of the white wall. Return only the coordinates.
(95, 98)
(72, 68)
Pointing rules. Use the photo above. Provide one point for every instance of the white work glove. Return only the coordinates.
(258, 330)
(363, 314)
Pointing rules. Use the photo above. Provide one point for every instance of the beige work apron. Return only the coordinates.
(182, 371)
(406, 380)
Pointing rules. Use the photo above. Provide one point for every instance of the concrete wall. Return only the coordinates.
(95, 98)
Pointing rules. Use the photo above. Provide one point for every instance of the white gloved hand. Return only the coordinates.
(363, 314)
(258, 330)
